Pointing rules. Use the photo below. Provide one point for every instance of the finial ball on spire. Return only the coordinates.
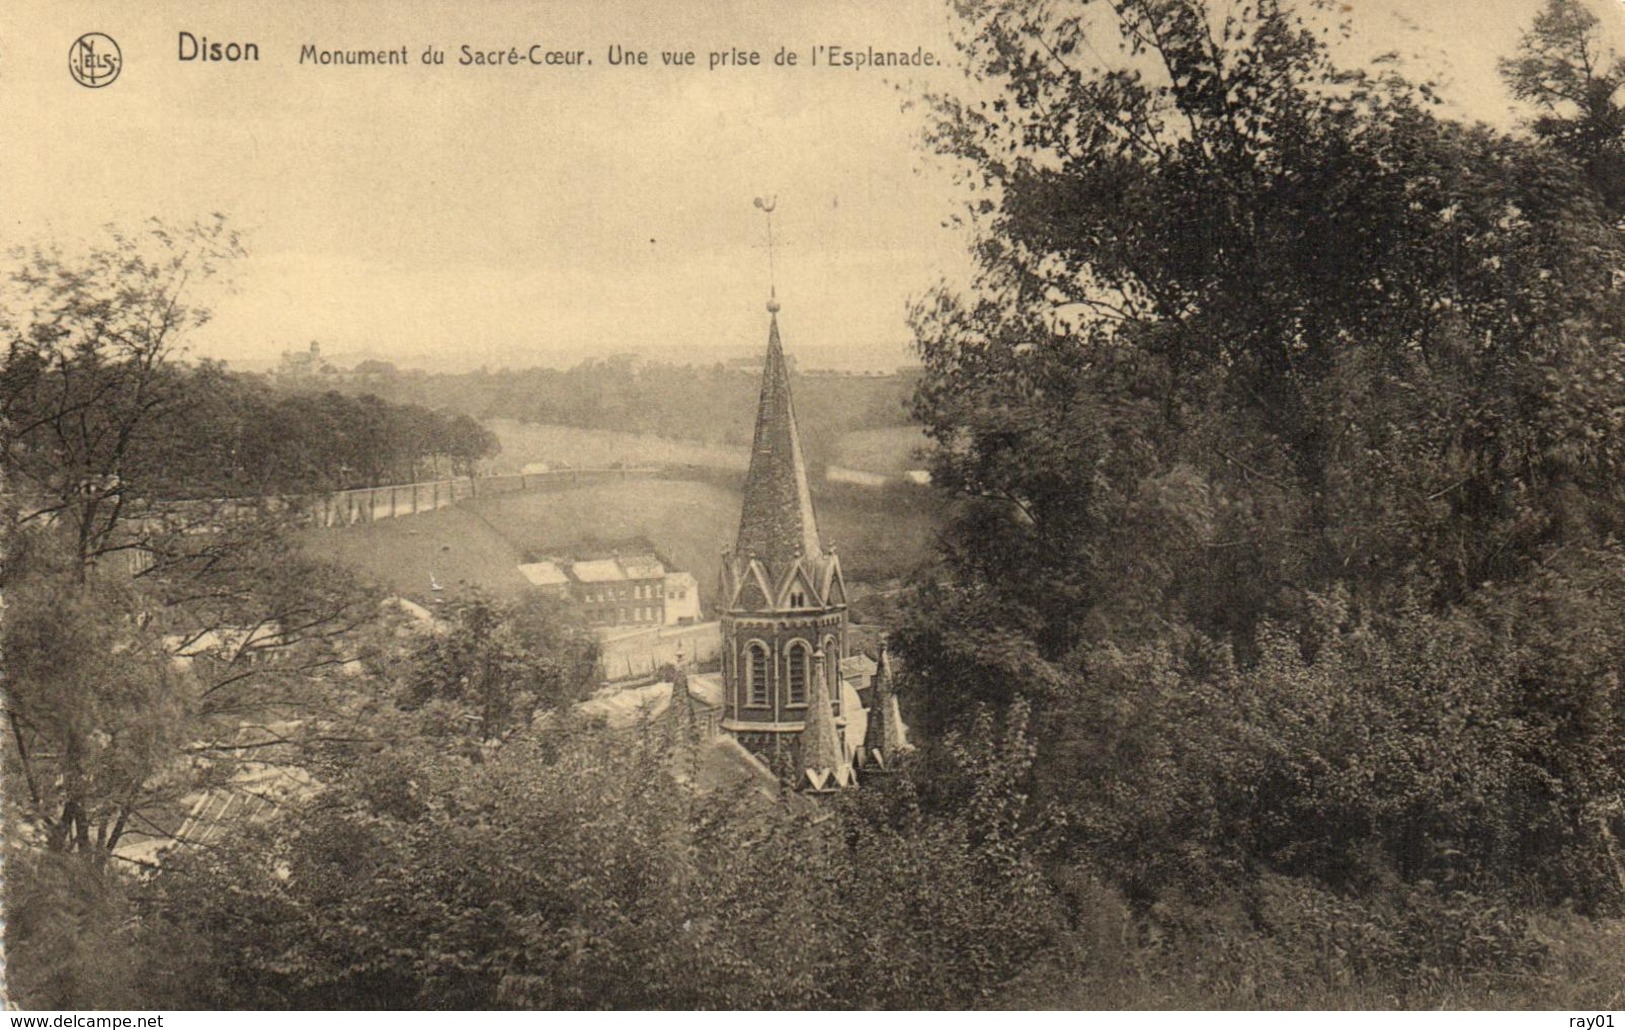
(772, 305)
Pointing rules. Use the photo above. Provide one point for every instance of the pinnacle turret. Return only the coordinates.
(825, 767)
(884, 737)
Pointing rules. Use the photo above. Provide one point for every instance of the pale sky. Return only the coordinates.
(516, 216)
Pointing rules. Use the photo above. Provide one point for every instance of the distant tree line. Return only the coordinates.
(131, 427)
(255, 439)
(713, 404)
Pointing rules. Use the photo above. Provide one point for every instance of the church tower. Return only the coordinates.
(782, 600)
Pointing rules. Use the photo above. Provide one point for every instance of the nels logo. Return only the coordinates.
(94, 60)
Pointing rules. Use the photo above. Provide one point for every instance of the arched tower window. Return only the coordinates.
(756, 674)
(800, 673)
(832, 666)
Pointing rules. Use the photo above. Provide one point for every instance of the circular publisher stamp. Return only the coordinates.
(94, 60)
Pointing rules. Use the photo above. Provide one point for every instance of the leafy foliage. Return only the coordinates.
(73, 941)
(1283, 418)
(1564, 68)
(1275, 646)
(88, 375)
(570, 869)
(498, 664)
(140, 639)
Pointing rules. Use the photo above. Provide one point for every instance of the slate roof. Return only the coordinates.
(777, 522)
(858, 667)
(615, 570)
(820, 747)
(623, 709)
(599, 570)
(643, 567)
(544, 574)
(256, 793)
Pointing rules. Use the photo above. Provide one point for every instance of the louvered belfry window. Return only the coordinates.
(756, 681)
(798, 674)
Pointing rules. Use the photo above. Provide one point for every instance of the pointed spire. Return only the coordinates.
(777, 520)
(820, 745)
(883, 738)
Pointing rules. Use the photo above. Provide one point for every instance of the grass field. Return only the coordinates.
(882, 534)
(526, 442)
(455, 545)
(689, 522)
(890, 451)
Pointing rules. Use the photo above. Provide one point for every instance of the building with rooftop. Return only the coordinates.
(682, 599)
(548, 577)
(619, 591)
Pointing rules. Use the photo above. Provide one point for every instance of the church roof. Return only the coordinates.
(777, 521)
(858, 667)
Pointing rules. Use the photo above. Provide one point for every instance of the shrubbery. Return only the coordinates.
(1284, 419)
(574, 869)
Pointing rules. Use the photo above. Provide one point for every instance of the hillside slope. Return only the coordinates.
(883, 534)
(456, 546)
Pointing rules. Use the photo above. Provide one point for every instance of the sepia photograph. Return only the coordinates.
(765, 505)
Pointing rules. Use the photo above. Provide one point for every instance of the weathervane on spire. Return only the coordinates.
(766, 207)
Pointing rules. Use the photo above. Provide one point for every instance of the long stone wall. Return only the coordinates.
(349, 507)
(641, 653)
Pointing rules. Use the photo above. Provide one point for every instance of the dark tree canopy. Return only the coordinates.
(1262, 349)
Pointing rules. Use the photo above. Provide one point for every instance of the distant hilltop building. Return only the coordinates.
(620, 591)
(306, 364)
(303, 363)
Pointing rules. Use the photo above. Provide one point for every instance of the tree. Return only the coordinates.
(570, 868)
(499, 664)
(1251, 332)
(94, 710)
(1223, 286)
(89, 373)
(126, 696)
(1565, 69)
(468, 442)
(167, 636)
(163, 635)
